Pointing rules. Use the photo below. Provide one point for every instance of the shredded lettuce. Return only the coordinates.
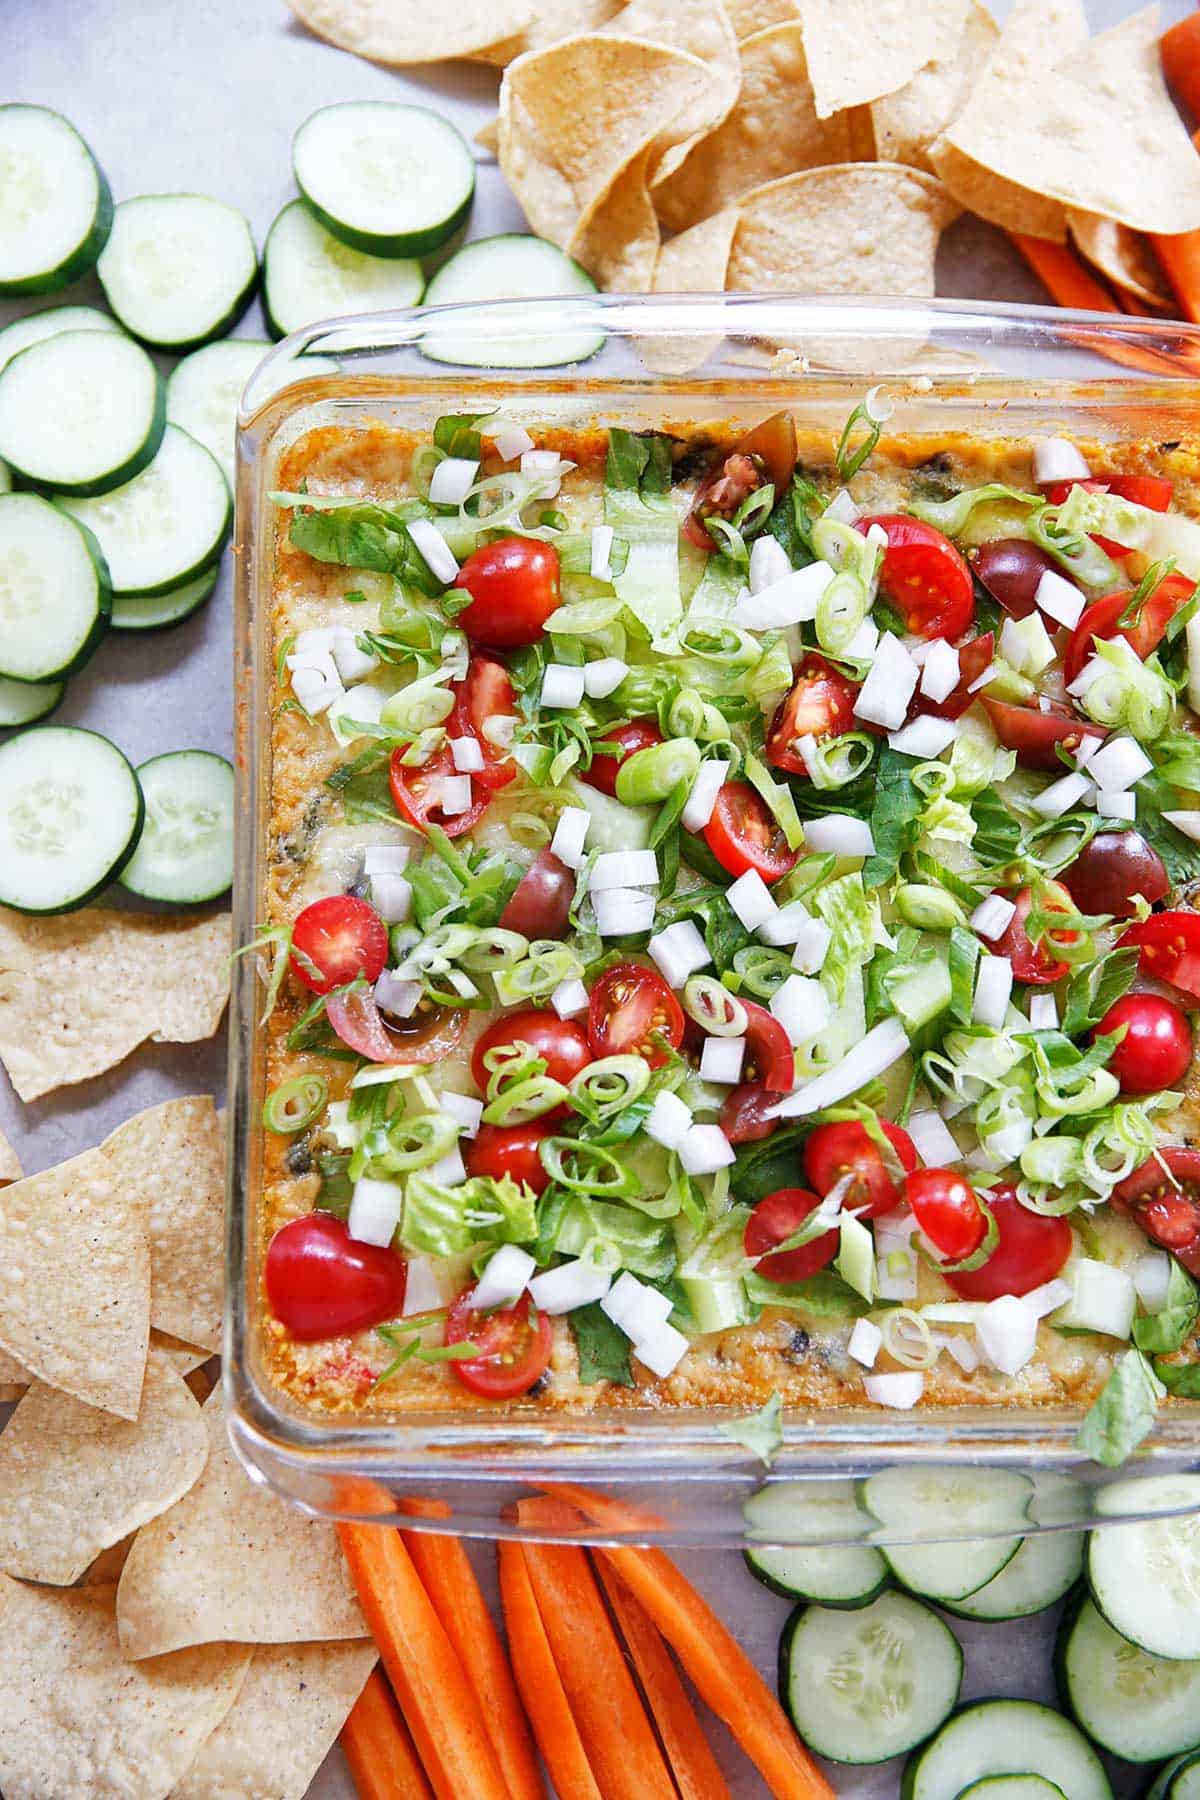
(444, 1221)
(637, 504)
(1158, 535)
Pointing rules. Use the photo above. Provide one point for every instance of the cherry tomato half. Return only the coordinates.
(1099, 620)
(341, 938)
(1035, 735)
(638, 734)
(1170, 948)
(745, 1114)
(945, 1207)
(834, 1151)
(499, 1150)
(1030, 1251)
(560, 1043)
(1111, 869)
(322, 1283)
(514, 1349)
(1036, 964)
(770, 1058)
(773, 1220)
(743, 835)
(973, 659)
(1156, 1050)
(924, 576)
(513, 584)
(540, 904)
(1011, 570)
(416, 794)
(820, 705)
(631, 1010)
(486, 693)
(426, 1037)
(1166, 1206)
(768, 453)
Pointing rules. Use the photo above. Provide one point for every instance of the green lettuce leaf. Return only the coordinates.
(760, 1432)
(1167, 1331)
(1123, 1413)
(893, 816)
(443, 1221)
(637, 504)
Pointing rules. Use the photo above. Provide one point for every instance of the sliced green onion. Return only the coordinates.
(927, 907)
(294, 1104)
(840, 611)
(587, 1168)
(761, 970)
(610, 1084)
(651, 774)
(836, 761)
(493, 949)
(520, 1101)
(547, 964)
(409, 1143)
(907, 1338)
(720, 642)
(712, 1006)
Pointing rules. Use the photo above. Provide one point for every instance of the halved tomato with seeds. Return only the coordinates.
(1163, 1195)
(633, 1011)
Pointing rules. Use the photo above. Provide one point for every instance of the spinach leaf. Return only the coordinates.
(772, 1163)
(602, 1346)
(1167, 1331)
(1123, 1413)
(455, 434)
(824, 1294)
(997, 830)
(1092, 990)
(791, 521)
(760, 1432)
(894, 814)
(364, 537)
(1180, 854)
(364, 787)
(638, 461)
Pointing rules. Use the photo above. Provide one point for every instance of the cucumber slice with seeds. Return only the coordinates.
(510, 267)
(81, 412)
(54, 591)
(1005, 1737)
(25, 702)
(391, 179)
(204, 391)
(1013, 1787)
(1045, 1567)
(55, 206)
(150, 612)
(912, 1502)
(308, 274)
(51, 323)
(167, 524)
(185, 852)
(70, 815)
(1138, 1706)
(178, 269)
(1180, 1780)
(1145, 1576)
(827, 1573)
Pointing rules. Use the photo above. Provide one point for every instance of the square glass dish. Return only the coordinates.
(983, 371)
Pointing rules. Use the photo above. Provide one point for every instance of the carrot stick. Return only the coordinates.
(436, 1698)
(1180, 48)
(1180, 256)
(618, 1737)
(693, 1764)
(1071, 284)
(719, 1668)
(449, 1579)
(382, 1757)
(540, 1684)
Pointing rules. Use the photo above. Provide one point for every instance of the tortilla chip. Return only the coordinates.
(74, 1480)
(860, 49)
(1125, 257)
(14, 1378)
(233, 1562)
(79, 1722)
(10, 1162)
(908, 121)
(291, 1706)
(772, 130)
(408, 31)
(551, 22)
(183, 1358)
(173, 1158)
(1097, 131)
(106, 1570)
(75, 1281)
(618, 240)
(701, 27)
(692, 263)
(78, 992)
(488, 136)
(750, 16)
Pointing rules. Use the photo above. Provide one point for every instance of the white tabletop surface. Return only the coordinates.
(206, 98)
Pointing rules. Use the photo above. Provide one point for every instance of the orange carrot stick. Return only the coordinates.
(436, 1698)
(693, 1764)
(1180, 48)
(1072, 284)
(382, 1757)
(1180, 256)
(539, 1681)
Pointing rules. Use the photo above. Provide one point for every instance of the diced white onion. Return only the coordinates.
(900, 1389)
(572, 1284)
(621, 1295)
(643, 1313)
(570, 835)
(391, 896)
(878, 404)
(624, 869)
(511, 442)
(1057, 459)
(352, 663)
(721, 1060)
(1151, 1276)
(434, 548)
(452, 480)
(751, 899)
(422, 1289)
(385, 859)
(792, 600)
(662, 1350)
(1103, 1298)
(462, 984)
(768, 563)
(464, 1110)
(1090, 673)
(933, 1142)
(396, 996)
(786, 924)
(315, 683)
(704, 1149)
(1186, 821)
(1043, 1012)
(467, 754)
(562, 687)
(961, 1349)
(1025, 645)
(884, 696)
(1007, 1333)
(1060, 796)
(981, 681)
(604, 676)
(548, 464)
(316, 642)
(1192, 640)
(993, 916)
(375, 1208)
(1118, 763)
(993, 986)
(865, 641)
(700, 802)
(925, 737)
(1117, 806)
(940, 671)
(842, 508)
(866, 1341)
(895, 1267)
(500, 730)
(1060, 598)
(679, 951)
(812, 947)
(883, 1045)
(448, 1170)
(455, 794)
(668, 1121)
(602, 539)
(570, 998)
(622, 912)
(1046, 1299)
(802, 1007)
(359, 705)
(505, 1278)
(840, 833)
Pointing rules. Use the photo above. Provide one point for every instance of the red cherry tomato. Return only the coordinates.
(1170, 948)
(513, 584)
(945, 1207)
(638, 734)
(1156, 1050)
(631, 1010)
(769, 1054)
(1166, 1205)
(485, 694)
(1034, 734)
(499, 1150)
(341, 938)
(1154, 492)
(834, 1151)
(1099, 620)
(1030, 1251)
(1011, 569)
(1111, 869)
(768, 453)
(359, 1023)
(1036, 964)
(416, 791)
(743, 835)
(924, 576)
(514, 1349)
(559, 1042)
(773, 1220)
(540, 904)
(973, 659)
(322, 1283)
(820, 705)
(745, 1113)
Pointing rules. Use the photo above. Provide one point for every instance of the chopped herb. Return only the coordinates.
(1123, 1413)
(602, 1346)
(894, 814)
(760, 1432)
(1167, 1331)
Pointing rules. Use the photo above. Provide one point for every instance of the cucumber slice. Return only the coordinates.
(1145, 1577)
(1180, 1780)
(149, 612)
(55, 206)
(1013, 1787)
(1140, 1707)
(185, 852)
(827, 1573)
(55, 587)
(81, 412)
(865, 1685)
(308, 274)
(178, 269)
(51, 323)
(167, 524)
(204, 391)
(1043, 1570)
(24, 702)
(509, 267)
(913, 1502)
(70, 815)
(1005, 1737)
(390, 179)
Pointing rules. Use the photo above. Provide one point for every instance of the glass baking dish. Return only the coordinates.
(951, 367)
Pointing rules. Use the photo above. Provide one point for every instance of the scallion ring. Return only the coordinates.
(519, 1101)
(610, 1084)
(294, 1104)
(712, 1005)
(587, 1168)
(650, 775)
(907, 1339)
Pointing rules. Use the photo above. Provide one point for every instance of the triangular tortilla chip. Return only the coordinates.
(10, 1162)
(183, 1358)
(618, 240)
(173, 1157)
(80, 991)
(551, 21)
(77, 1722)
(1125, 257)
(291, 1706)
(860, 49)
(74, 1480)
(908, 121)
(233, 1562)
(75, 1281)
(409, 31)
(14, 1378)
(1096, 131)
(703, 28)
(692, 263)
(750, 16)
